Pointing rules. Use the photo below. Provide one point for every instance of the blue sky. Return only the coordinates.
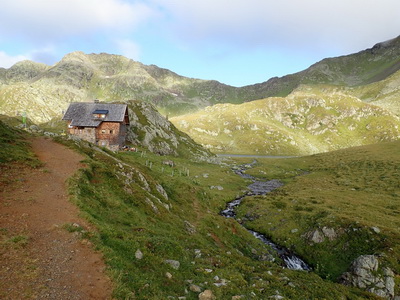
(237, 42)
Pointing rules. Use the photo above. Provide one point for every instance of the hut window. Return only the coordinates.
(103, 131)
(100, 113)
(111, 131)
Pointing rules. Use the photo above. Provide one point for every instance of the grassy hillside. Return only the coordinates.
(14, 148)
(385, 93)
(354, 192)
(160, 230)
(43, 92)
(162, 236)
(365, 67)
(310, 120)
(152, 131)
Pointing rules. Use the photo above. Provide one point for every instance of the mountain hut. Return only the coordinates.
(103, 124)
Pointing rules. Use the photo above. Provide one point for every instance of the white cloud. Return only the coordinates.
(128, 48)
(46, 20)
(344, 24)
(7, 61)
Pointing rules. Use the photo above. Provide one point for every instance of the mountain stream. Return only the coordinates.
(290, 260)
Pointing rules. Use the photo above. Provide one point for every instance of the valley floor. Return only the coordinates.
(39, 257)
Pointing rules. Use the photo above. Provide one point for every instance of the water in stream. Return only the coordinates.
(261, 188)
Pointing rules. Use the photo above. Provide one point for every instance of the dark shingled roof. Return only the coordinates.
(81, 113)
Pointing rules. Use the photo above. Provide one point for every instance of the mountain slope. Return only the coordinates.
(154, 132)
(80, 77)
(310, 120)
(44, 92)
(384, 93)
(364, 67)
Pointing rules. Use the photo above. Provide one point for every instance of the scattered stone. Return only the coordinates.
(294, 230)
(376, 229)
(197, 252)
(316, 236)
(138, 254)
(195, 288)
(237, 297)
(173, 263)
(149, 202)
(190, 228)
(205, 175)
(221, 282)
(329, 233)
(208, 270)
(169, 163)
(277, 297)
(168, 275)
(217, 187)
(161, 190)
(207, 295)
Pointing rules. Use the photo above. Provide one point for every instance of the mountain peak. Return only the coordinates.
(388, 43)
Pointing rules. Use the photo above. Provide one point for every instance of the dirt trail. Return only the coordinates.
(39, 259)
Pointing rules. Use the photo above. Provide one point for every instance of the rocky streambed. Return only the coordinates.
(257, 187)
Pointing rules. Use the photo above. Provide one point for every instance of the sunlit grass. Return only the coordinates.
(354, 191)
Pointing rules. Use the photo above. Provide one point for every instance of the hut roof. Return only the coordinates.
(84, 113)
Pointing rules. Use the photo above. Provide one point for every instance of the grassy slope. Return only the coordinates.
(115, 198)
(14, 148)
(357, 69)
(44, 91)
(350, 190)
(112, 195)
(310, 120)
(384, 93)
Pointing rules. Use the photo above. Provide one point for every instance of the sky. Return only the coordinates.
(237, 42)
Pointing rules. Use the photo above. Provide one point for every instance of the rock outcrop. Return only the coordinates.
(151, 130)
(365, 274)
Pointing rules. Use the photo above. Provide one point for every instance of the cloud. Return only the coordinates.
(7, 61)
(343, 24)
(128, 48)
(44, 21)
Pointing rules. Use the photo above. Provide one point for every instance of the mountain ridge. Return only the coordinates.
(45, 91)
(282, 86)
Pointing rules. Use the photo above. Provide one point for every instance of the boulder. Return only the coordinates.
(316, 236)
(195, 288)
(191, 229)
(173, 263)
(329, 233)
(138, 254)
(207, 295)
(364, 273)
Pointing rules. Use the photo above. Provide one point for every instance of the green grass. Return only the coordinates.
(131, 214)
(14, 147)
(120, 195)
(312, 119)
(351, 191)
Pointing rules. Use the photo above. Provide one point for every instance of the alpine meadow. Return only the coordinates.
(310, 169)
